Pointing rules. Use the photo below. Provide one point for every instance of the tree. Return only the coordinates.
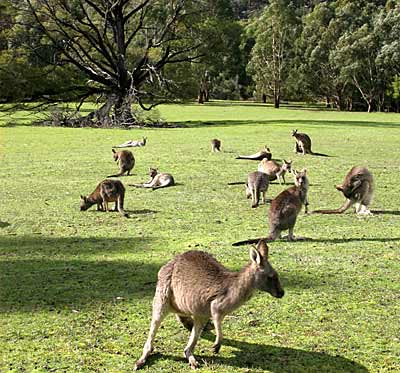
(274, 33)
(121, 46)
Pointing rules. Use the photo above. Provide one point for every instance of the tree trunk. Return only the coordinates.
(264, 98)
(328, 102)
(200, 97)
(277, 101)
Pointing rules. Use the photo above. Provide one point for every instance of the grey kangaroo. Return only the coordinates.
(257, 182)
(274, 170)
(157, 180)
(106, 191)
(196, 287)
(215, 145)
(303, 143)
(132, 143)
(285, 208)
(126, 162)
(263, 153)
(358, 188)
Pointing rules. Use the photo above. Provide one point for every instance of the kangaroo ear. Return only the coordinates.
(82, 197)
(255, 256)
(289, 161)
(295, 173)
(262, 248)
(304, 171)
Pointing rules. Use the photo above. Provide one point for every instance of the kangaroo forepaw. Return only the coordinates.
(139, 364)
(216, 347)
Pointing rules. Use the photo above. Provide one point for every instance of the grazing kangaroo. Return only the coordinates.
(126, 162)
(106, 191)
(257, 182)
(284, 209)
(274, 170)
(215, 145)
(132, 143)
(157, 180)
(263, 153)
(358, 188)
(196, 287)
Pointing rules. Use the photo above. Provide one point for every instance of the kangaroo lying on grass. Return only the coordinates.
(106, 191)
(157, 180)
(215, 145)
(132, 143)
(126, 162)
(274, 170)
(263, 153)
(257, 182)
(196, 287)
(285, 209)
(358, 188)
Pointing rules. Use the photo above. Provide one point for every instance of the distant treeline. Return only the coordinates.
(345, 53)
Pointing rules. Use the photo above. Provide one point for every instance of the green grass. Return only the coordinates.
(76, 287)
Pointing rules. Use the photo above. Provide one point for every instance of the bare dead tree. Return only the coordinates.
(121, 46)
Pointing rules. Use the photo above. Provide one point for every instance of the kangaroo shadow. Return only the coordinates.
(272, 358)
(141, 212)
(4, 224)
(386, 212)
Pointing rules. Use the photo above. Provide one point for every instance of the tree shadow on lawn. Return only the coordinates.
(270, 358)
(294, 122)
(53, 273)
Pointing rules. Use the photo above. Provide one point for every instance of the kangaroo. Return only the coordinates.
(257, 182)
(132, 143)
(106, 191)
(263, 153)
(215, 145)
(303, 143)
(196, 287)
(157, 180)
(274, 170)
(126, 162)
(358, 188)
(284, 209)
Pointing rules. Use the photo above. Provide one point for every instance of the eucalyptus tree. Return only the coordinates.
(121, 46)
(274, 33)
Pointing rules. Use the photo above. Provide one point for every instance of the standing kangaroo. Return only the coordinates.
(106, 191)
(303, 143)
(215, 145)
(285, 208)
(157, 180)
(196, 287)
(126, 162)
(358, 188)
(257, 182)
(274, 170)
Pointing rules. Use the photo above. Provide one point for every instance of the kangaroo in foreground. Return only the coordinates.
(196, 287)
(215, 145)
(106, 191)
(285, 208)
(274, 170)
(358, 188)
(157, 180)
(126, 162)
(263, 153)
(257, 182)
(132, 143)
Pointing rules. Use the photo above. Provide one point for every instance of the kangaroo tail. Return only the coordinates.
(249, 242)
(336, 211)
(320, 154)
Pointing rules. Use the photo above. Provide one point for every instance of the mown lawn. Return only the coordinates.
(76, 287)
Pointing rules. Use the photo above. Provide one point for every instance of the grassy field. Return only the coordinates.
(76, 287)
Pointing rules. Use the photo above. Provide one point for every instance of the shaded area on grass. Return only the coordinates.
(295, 122)
(271, 358)
(53, 273)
